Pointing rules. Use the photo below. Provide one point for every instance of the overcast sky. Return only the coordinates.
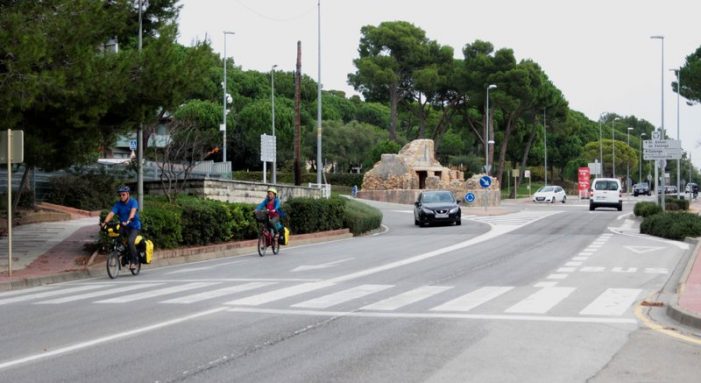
(598, 53)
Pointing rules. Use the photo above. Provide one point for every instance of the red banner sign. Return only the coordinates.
(583, 177)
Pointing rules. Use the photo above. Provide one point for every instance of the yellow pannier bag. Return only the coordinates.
(145, 248)
(148, 254)
(286, 236)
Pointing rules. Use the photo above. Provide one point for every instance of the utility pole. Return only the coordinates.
(298, 118)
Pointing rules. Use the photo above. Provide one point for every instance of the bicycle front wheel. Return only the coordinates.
(137, 269)
(262, 245)
(113, 265)
(275, 245)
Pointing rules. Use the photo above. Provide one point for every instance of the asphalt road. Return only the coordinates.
(547, 294)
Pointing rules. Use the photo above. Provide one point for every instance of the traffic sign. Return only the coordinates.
(662, 154)
(132, 145)
(470, 197)
(662, 144)
(485, 181)
(267, 148)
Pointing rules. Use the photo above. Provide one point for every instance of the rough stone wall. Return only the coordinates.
(236, 191)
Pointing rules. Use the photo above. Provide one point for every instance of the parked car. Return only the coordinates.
(436, 206)
(641, 188)
(692, 187)
(550, 194)
(668, 189)
(606, 192)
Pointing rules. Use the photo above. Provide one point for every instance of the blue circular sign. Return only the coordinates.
(469, 197)
(485, 181)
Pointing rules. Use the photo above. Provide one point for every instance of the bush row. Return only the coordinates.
(672, 225)
(194, 221)
(676, 204)
(646, 209)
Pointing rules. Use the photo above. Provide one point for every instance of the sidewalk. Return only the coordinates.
(685, 307)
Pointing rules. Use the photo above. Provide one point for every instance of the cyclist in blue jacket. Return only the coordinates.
(127, 210)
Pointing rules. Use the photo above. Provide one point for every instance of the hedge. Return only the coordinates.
(361, 218)
(646, 209)
(675, 204)
(672, 225)
(308, 215)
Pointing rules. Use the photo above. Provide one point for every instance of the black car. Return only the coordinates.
(641, 188)
(436, 206)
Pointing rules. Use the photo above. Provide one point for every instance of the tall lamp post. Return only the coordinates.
(613, 149)
(486, 130)
(140, 135)
(679, 89)
(319, 164)
(662, 133)
(272, 101)
(601, 146)
(640, 165)
(545, 146)
(628, 160)
(226, 98)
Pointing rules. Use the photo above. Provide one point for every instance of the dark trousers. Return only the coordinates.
(130, 234)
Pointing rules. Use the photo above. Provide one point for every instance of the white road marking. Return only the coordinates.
(592, 269)
(321, 265)
(643, 249)
(156, 293)
(51, 293)
(26, 291)
(365, 314)
(109, 338)
(473, 299)
(573, 264)
(217, 293)
(406, 298)
(541, 301)
(612, 302)
(190, 269)
(580, 258)
(566, 269)
(556, 276)
(343, 296)
(102, 293)
(546, 284)
(271, 296)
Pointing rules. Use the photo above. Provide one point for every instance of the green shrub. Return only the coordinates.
(93, 190)
(676, 204)
(360, 218)
(672, 225)
(308, 215)
(646, 209)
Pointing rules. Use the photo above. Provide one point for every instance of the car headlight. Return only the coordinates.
(454, 210)
(426, 211)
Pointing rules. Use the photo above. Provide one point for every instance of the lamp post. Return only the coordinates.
(679, 89)
(545, 146)
(140, 135)
(640, 165)
(319, 165)
(272, 101)
(613, 149)
(628, 161)
(486, 130)
(601, 146)
(226, 98)
(661, 38)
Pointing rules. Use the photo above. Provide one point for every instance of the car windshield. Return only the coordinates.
(546, 189)
(437, 197)
(606, 185)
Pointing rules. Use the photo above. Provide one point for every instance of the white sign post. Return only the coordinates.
(11, 151)
(267, 152)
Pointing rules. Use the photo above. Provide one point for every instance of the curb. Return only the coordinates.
(674, 310)
(174, 257)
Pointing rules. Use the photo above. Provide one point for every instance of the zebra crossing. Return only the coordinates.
(315, 297)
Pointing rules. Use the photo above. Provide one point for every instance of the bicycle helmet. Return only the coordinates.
(271, 189)
(123, 189)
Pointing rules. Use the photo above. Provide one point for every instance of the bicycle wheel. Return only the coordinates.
(113, 265)
(262, 245)
(136, 270)
(275, 245)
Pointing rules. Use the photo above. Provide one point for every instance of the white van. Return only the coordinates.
(605, 192)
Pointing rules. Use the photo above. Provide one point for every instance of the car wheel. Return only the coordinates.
(564, 198)
(416, 222)
(620, 206)
(591, 207)
(458, 222)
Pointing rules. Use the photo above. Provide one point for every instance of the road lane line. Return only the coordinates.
(271, 296)
(101, 293)
(51, 293)
(541, 301)
(109, 338)
(473, 299)
(612, 302)
(217, 293)
(157, 293)
(343, 296)
(406, 298)
(366, 314)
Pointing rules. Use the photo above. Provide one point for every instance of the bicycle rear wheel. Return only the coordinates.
(262, 245)
(135, 271)
(275, 245)
(113, 265)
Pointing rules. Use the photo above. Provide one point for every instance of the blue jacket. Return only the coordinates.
(275, 211)
(122, 210)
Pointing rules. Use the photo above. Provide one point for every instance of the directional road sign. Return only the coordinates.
(470, 197)
(485, 181)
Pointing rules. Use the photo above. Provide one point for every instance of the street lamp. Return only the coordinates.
(272, 99)
(486, 130)
(679, 89)
(628, 161)
(601, 146)
(226, 98)
(613, 149)
(545, 146)
(140, 133)
(661, 38)
(640, 165)
(319, 164)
